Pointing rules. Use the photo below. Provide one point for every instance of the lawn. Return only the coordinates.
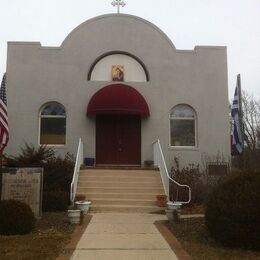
(50, 236)
(193, 236)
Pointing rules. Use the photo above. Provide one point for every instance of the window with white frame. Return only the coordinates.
(182, 126)
(53, 124)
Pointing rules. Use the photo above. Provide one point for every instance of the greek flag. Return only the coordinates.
(236, 135)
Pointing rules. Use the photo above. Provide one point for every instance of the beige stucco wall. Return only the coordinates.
(37, 75)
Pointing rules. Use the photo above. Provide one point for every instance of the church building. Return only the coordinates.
(118, 83)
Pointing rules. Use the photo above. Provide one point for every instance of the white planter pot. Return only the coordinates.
(83, 205)
(173, 205)
(74, 216)
(169, 214)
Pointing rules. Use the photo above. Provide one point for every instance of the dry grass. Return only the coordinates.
(195, 239)
(52, 233)
(193, 209)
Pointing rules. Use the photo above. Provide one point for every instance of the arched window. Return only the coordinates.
(53, 124)
(118, 66)
(183, 126)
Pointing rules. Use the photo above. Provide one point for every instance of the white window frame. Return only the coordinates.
(51, 116)
(195, 147)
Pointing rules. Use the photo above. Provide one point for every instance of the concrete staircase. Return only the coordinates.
(121, 189)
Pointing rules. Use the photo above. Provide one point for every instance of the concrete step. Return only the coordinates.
(118, 173)
(104, 189)
(115, 184)
(123, 202)
(129, 208)
(121, 189)
(128, 168)
(155, 178)
(148, 196)
(119, 167)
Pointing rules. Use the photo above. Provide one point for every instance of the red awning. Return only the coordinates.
(118, 99)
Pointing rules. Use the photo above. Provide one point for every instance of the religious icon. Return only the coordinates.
(117, 73)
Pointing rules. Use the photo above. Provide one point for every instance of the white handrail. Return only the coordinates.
(78, 163)
(160, 162)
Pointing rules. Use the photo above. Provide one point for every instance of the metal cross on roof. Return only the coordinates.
(118, 3)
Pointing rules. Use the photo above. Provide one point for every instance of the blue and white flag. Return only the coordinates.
(236, 133)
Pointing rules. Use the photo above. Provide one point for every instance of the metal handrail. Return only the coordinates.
(160, 162)
(78, 163)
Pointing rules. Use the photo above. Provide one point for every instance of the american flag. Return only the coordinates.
(4, 130)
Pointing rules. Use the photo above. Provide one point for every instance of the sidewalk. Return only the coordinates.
(123, 236)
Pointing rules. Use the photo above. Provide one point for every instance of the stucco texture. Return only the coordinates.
(37, 75)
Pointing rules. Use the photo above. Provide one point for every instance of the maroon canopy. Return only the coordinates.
(118, 99)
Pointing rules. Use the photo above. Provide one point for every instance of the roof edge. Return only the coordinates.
(118, 15)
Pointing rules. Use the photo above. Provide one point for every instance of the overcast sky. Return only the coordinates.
(231, 23)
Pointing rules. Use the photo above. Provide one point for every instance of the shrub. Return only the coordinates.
(58, 173)
(233, 212)
(192, 177)
(55, 201)
(57, 178)
(31, 156)
(248, 161)
(16, 218)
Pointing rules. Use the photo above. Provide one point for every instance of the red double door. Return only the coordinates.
(118, 139)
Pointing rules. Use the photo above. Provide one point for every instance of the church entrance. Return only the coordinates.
(118, 109)
(118, 139)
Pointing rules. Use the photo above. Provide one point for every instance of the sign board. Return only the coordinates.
(23, 184)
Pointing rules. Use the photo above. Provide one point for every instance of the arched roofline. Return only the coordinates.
(70, 35)
(118, 52)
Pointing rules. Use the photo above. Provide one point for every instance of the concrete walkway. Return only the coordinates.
(123, 236)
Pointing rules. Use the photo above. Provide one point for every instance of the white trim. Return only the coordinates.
(186, 148)
(195, 119)
(52, 116)
(56, 146)
(182, 118)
